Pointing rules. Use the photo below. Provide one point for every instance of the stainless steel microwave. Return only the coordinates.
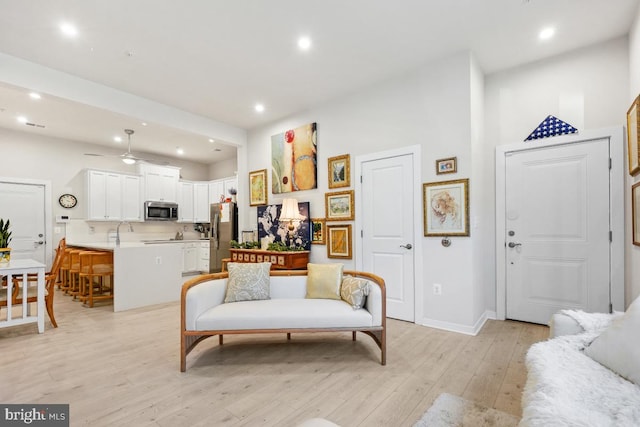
(160, 211)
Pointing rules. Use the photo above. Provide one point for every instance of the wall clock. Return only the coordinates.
(68, 201)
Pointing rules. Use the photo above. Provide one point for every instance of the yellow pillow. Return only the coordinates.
(323, 280)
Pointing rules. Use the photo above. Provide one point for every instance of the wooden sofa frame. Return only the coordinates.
(189, 339)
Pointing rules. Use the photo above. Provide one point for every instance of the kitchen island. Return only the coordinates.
(145, 273)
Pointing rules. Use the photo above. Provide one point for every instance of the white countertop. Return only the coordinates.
(109, 246)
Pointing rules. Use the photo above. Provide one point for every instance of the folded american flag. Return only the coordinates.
(551, 126)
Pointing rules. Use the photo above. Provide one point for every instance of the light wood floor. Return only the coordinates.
(122, 369)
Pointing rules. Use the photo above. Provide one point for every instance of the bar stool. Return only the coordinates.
(74, 273)
(95, 268)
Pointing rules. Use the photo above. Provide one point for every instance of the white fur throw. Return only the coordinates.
(591, 322)
(567, 388)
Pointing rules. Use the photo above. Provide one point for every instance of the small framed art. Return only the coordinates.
(339, 171)
(258, 187)
(339, 241)
(633, 131)
(339, 206)
(318, 226)
(446, 208)
(635, 213)
(449, 165)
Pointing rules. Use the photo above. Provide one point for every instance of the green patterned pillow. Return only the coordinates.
(323, 280)
(247, 281)
(354, 291)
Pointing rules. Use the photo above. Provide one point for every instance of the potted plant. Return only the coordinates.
(5, 239)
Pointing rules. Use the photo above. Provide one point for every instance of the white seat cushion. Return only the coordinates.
(283, 314)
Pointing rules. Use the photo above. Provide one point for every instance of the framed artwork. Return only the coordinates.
(258, 188)
(339, 241)
(270, 226)
(318, 226)
(339, 206)
(449, 165)
(633, 127)
(446, 208)
(339, 171)
(635, 213)
(293, 160)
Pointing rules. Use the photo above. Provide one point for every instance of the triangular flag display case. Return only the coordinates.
(551, 126)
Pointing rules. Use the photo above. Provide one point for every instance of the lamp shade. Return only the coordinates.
(289, 211)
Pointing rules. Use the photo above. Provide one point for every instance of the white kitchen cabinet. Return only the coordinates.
(203, 257)
(216, 190)
(189, 257)
(185, 202)
(104, 196)
(201, 202)
(160, 182)
(131, 201)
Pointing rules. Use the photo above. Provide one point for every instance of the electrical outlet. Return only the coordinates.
(158, 260)
(437, 289)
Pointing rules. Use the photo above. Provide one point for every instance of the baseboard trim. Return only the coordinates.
(457, 327)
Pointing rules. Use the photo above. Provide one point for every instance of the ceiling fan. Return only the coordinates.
(128, 157)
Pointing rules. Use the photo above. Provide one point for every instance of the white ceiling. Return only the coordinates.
(218, 58)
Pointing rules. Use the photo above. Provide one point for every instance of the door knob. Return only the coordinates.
(514, 244)
(407, 246)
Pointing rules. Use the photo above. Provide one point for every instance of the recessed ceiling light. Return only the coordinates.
(259, 108)
(68, 29)
(117, 139)
(179, 151)
(143, 123)
(35, 95)
(304, 43)
(546, 33)
(22, 119)
(211, 140)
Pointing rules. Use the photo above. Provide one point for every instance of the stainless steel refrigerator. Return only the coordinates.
(224, 228)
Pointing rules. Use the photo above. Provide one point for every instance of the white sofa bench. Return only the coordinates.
(204, 313)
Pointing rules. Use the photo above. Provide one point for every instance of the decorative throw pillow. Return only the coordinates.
(323, 280)
(354, 291)
(618, 347)
(247, 281)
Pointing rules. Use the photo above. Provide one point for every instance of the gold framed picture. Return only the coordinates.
(449, 165)
(258, 187)
(339, 241)
(339, 171)
(446, 208)
(339, 206)
(318, 226)
(633, 131)
(635, 213)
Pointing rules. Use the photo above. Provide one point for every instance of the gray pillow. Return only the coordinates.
(354, 291)
(247, 281)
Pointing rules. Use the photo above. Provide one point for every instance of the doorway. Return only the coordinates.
(560, 226)
(27, 204)
(387, 217)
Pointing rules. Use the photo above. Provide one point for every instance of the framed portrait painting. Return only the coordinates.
(633, 127)
(339, 241)
(339, 172)
(339, 206)
(446, 208)
(258, 188)
(318, 236)
(635, 213)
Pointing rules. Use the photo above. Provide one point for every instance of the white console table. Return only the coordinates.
(20, 268)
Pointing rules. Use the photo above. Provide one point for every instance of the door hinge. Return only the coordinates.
(610, 308)
(610, 163)
(360, 179)
(362, 234)
(611, 236)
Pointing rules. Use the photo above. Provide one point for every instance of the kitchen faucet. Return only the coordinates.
(118, 231)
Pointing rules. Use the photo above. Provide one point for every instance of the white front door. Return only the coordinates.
(557, 230)
(24, 205)
(388, 229)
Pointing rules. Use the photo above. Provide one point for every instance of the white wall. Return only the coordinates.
(223, 169)
(587, 88)
(429, 107)
(632, 278)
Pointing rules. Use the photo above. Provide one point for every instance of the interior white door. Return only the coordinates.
(557, 230)
(387, 235)
(24, 205)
